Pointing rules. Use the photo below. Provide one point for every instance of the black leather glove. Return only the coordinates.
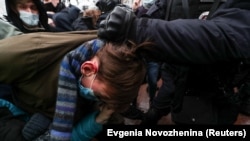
(107, 5)
(117, 25)
(153, 115)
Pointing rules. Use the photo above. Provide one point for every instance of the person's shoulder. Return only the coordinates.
(4, 23)
(95, 43)
(3, 18)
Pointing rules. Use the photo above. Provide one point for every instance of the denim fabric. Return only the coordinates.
(153, 70)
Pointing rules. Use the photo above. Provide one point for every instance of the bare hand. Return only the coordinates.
(136, 5)
(51, 22)
(104, 115)
(242, 120)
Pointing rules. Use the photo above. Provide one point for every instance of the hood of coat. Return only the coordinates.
(16, 21)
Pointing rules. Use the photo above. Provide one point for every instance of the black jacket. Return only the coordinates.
(64, 19)
(211, 49)
(223, 38)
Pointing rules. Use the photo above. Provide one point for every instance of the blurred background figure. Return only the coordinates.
(106, 6)
(27, 15)
(53, 6)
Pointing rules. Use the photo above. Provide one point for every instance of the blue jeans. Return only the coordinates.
(153, 70)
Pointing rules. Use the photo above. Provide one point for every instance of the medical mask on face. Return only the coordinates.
(29, 18)
(87, 93)
(147, 3)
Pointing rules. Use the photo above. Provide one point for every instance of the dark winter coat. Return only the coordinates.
(223, 38)
(214, 62)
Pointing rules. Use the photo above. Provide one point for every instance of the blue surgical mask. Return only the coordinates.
(147, 3)
(87, 93)
(29, 18)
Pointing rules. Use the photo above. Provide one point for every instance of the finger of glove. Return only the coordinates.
(116, 25)
(116, 20)
(105, 31)
(111, 26)
(102, 32)
(119, 23)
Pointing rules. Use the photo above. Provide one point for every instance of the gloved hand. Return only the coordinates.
(117, 25)
(104, 115)
(153, 115)
(107, 5)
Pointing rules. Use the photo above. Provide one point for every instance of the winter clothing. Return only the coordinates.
(68, 97)
(8, 30)
(223, 40)
(14, 19)
(64, 19)
(36, 61)
(225, 20)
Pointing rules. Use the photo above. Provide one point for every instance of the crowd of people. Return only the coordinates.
(67, 71)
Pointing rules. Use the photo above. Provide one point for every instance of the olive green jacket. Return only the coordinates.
(30, 63)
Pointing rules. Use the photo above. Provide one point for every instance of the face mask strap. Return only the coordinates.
(92, 81)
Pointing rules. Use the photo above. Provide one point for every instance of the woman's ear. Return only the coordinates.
(88, 68)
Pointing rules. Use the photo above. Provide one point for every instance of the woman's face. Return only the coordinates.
(99, 89)
(90, 79)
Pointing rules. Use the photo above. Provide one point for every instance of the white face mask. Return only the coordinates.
(147, 3)
(29, 18)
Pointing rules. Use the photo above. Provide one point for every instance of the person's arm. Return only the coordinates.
(16, 111)
(224, 38)
(91, 125)
(195, 41)
(66, 97)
